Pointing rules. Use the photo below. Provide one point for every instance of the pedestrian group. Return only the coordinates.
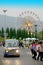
(37, 50)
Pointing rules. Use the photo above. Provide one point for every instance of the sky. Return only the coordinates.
(16, 7)
(21, 3)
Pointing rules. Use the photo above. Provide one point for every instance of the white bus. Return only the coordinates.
(28, 41)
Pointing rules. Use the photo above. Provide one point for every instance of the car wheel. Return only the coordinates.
(4, 55)
(17, 55)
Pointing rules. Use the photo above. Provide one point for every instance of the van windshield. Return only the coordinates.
(11, 44)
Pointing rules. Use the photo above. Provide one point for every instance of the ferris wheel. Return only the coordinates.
(29, 13)
(29, 16)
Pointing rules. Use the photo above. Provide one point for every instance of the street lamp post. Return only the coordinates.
(5, 23)
(35, 31)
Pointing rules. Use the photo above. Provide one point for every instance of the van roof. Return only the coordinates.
(11, 40)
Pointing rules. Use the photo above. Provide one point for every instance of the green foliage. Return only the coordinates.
(29, 34)
(40, 35)
(14, 33)
(19, 33)
(22, 33)
(1, 39)
(11, 33)
(2, 32)
(7, 31)
(32, 35)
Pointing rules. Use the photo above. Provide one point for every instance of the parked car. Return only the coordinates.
(11, 47)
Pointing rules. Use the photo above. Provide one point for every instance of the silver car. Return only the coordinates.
(11, 47)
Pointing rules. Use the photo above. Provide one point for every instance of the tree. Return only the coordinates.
(14, 33)
(42, 34)
(18, 33)
(11, 33)
(29, 34)
(24, 33)
(2, 32)
(7, 32)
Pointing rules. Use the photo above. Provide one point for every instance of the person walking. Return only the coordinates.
(33, 50)
(40, 51)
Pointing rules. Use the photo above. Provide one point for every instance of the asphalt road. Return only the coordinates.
(24, 59)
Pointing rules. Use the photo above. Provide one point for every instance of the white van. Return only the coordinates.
(11, 47)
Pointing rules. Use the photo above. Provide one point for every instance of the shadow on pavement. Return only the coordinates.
(11, 56)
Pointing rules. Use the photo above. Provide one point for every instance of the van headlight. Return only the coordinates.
(6, 50)
(17, 51)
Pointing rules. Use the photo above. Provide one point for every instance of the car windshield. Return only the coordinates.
(11, 44)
